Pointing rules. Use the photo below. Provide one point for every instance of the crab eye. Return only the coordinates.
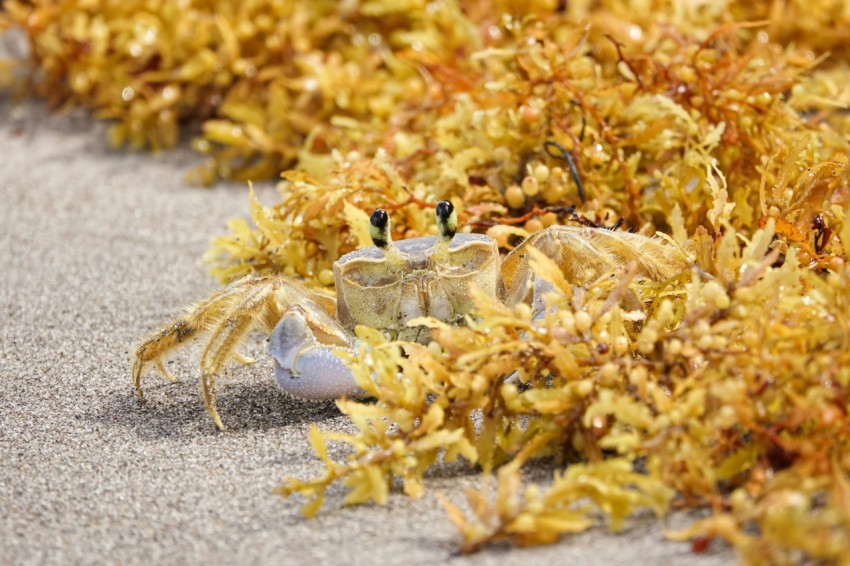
(379, 228)
(446, 220)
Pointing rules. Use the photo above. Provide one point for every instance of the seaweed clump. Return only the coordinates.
(728, 392)
(702, 404)
(716, 122)
(263, 79)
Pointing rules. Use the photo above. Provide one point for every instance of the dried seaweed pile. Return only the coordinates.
(261, 76)
(730, 390)
(705, 405)
(705, 124)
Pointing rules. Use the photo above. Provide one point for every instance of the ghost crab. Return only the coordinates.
(386, 286)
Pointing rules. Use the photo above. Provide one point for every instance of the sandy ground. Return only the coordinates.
(98, 248)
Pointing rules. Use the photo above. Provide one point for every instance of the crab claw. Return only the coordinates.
(305, 367)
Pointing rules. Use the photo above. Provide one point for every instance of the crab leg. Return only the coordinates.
(227, 316)
(584, 254)
(303, 345)
(199, 320)
(259, 306)
(256, 306)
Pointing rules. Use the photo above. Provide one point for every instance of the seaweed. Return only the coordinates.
(708, 125)
(702, 404)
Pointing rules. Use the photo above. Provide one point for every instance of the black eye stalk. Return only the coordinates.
(447, 228)
(379, 229)
(446, 221)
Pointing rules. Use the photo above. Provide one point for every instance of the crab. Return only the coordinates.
(386, 286)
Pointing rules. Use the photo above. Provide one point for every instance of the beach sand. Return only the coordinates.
(100, 247)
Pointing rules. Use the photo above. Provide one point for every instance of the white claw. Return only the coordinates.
(306, 368)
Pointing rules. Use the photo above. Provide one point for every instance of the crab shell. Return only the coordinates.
(415, 279)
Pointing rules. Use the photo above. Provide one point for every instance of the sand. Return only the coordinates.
(99, 247)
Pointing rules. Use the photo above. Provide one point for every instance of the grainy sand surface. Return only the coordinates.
(98, 248)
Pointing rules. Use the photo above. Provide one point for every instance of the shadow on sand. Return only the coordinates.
(171, 409)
